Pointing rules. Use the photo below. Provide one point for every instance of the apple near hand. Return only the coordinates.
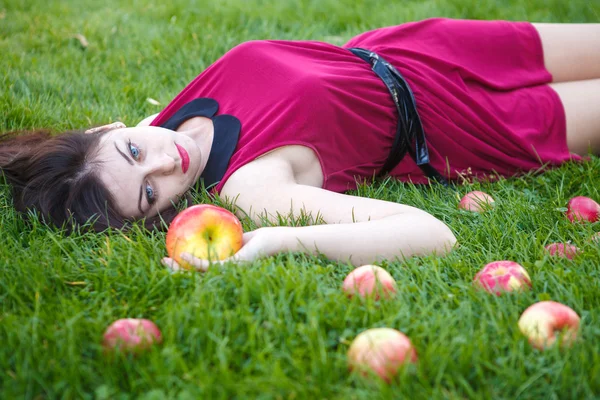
(563, 250)
(369, 280)
(583, 209)
(476, 201)
(502, 276)
(131, 335)
(205, 231)
(381, 351)
(542, 322)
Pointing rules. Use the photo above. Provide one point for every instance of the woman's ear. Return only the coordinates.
(99, 129)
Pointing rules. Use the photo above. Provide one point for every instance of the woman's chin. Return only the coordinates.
(196, 175)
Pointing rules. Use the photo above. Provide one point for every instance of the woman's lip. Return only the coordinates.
(185, 158)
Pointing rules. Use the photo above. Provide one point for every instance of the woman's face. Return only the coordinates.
(147, 168)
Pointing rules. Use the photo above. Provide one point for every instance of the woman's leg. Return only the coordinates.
(571, 51)
(581, 101)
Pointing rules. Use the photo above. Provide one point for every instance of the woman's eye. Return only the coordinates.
(150, 196)
(135, 152)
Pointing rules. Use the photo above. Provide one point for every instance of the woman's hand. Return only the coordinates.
(103, 128)
(255, 245)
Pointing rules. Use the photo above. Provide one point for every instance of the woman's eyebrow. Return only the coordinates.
(141, 186)
(123, 154)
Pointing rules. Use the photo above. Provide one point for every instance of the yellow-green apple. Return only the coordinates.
(543, 322)
(502, 276)
(562, 250)
(205, 231)
(382, 351)
(583, 208)
(131, 335)
(476, 201)
(369, 280)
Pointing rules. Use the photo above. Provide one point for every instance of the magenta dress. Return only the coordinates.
(480, 87)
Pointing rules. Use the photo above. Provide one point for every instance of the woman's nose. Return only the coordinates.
(164, 165)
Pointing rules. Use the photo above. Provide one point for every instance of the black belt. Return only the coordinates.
(409, 128)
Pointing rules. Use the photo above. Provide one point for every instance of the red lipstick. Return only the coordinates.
(185, 158)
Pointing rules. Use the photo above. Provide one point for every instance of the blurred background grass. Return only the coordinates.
(278, 328)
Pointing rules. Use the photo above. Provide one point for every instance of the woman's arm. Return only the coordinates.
(358, 230)
(395, 236)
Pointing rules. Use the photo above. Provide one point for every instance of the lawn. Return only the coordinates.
(280, 327)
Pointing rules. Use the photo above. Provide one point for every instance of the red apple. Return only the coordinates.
(562, 250)
(583, 208)
(542, 321)
(502, 276)
(382, 351)
(207, 232)
(476, 201)
(369, 280)
(131, 335)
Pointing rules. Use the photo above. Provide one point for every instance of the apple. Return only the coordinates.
(382, 351)
(369, 280)
(542, 321)
(207, 232)
(476, 201)
(498, 277)
(131, 335)
(582, 209)
(562, 250)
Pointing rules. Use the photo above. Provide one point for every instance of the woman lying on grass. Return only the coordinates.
(288, 126)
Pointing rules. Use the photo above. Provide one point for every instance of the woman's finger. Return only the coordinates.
(99, 129)
(171, 265)
(197, 263)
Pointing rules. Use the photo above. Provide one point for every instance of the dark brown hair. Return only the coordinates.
(56, 178)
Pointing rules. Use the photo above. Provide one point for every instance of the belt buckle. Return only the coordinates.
(374, 57)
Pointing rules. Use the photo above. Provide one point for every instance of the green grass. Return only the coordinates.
(278, 328)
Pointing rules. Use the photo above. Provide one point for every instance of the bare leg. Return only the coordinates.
(571, 51)
(581, 101)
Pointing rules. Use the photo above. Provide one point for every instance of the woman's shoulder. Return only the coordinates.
(283, 165)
